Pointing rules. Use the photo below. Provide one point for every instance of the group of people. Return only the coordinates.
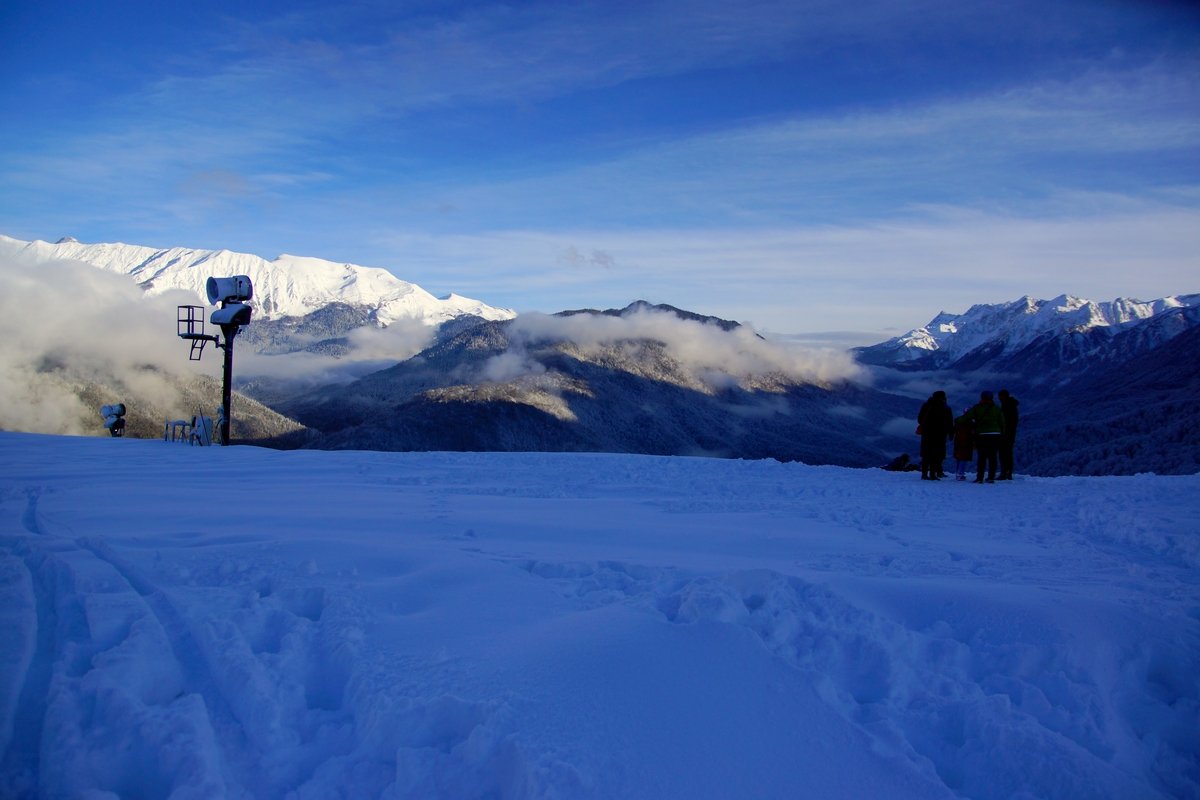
(986, 428)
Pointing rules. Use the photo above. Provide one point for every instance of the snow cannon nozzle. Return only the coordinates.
(237, 289)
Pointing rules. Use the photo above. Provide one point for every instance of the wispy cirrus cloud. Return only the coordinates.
(305, 84)
(546, 155)
(502, 52)
(1096, 132)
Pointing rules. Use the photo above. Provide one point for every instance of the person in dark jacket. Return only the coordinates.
(988, 420)
(900, 464)
(1008, 407)
(964, 445)
(936, 423)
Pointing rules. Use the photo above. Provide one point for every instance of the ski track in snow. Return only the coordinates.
(952, 625)
(947, 704)
(196, 694)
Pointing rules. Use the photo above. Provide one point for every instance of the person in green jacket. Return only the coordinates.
(988, 420)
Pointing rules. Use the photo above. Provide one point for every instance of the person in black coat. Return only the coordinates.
(1008, 405)
(935, 421)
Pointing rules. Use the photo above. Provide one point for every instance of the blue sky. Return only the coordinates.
(802, 166)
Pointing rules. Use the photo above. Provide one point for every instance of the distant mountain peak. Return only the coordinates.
(288, 286)
(641, 306)
(991, 331)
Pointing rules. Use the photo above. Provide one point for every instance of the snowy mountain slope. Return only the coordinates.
(527, 626)
(288, 286)
(987, 334)
(1126, 416)
(1055, 359)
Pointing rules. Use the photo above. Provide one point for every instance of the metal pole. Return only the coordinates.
(231, 332)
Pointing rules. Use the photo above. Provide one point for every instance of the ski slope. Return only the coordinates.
(237, 622)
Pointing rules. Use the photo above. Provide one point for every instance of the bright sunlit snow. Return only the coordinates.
(239, 622)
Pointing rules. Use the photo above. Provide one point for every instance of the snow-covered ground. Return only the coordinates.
(237, 622)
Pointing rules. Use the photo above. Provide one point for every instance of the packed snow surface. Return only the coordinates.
(237, 622)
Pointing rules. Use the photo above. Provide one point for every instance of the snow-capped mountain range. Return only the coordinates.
(990, 332)
(656, 382)
(288, 286)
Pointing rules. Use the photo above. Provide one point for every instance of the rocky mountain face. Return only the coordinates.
(322, 331)
(641, 305)
(496, 387)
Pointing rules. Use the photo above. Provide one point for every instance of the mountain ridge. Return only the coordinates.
(649, 381)
(988, 334)
(1106, 388)
(288, 286)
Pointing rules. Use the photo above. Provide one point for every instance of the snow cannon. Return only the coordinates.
(114, 418)
(231, 314)
(233, 294)
(237, 289)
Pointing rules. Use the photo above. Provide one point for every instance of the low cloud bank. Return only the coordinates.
(962, 389)
(714, 356)
(368, 349)
(66, 324)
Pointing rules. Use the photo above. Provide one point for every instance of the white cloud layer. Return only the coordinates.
(368, 349)
(65, 324)
(712, 356)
